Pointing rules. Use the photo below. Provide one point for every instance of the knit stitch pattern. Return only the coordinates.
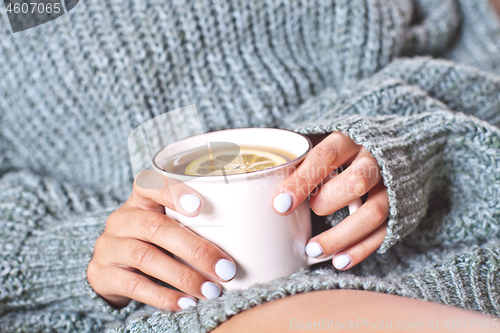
(72, 90)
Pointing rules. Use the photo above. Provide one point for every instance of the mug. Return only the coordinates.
(237, 214)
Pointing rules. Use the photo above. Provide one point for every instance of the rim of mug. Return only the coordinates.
(253, 173)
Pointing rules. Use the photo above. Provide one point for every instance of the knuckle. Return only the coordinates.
(372, 162)
(132, 287)
(187, 280)
(153, 226)
(164, 299)
(302, 184)
(101, 249)
(359, 182)
(327, 152)
(301, 180)
(112, 220)
(92, 271)
(202, 252)
(372, 169)
(378, 212)
(375, 214)
(362, 250)
(99, 246)
(329, 242)
(142, 255)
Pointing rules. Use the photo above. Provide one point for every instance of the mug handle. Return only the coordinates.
(353, 206)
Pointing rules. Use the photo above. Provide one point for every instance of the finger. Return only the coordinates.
(154, 262)
(358, 252)
(353, 228)
(354, 182)
(125, 283)
(352, 206)
(153, 191)
(327, 156)
(168, 234)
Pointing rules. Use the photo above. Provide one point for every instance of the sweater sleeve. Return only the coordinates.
(47, 235)
(405, 121)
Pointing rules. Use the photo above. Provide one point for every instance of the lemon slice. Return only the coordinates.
(248, 160)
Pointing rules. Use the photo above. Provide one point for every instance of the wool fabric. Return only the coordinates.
(415, 82)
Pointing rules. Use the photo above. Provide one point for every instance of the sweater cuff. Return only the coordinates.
(408, 150)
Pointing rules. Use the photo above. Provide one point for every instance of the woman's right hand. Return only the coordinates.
(135, 247)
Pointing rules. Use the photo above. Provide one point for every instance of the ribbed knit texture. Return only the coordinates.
(72, 90)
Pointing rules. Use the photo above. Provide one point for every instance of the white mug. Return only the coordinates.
(238, 216)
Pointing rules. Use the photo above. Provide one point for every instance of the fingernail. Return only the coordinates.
(354, 206)
(210, 290)
(225, 269)
(282, 202)
(341, 261)
(185, 302)
(313, 249)
(190, 203)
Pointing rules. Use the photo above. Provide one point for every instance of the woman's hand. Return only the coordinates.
(362, 232)
(134, 249)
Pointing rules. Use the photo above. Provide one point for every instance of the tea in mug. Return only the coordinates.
(227, 159)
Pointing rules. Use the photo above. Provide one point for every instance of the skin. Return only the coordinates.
(292, 313)
(361, 233)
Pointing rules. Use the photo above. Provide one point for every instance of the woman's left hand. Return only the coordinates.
(362, 232)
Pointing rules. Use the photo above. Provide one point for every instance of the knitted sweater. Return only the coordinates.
(73, 89)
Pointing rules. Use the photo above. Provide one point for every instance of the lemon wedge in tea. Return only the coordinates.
(248, 160)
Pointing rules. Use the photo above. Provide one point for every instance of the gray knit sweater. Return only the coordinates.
(72, 90)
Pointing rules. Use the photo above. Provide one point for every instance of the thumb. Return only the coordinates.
(154, 191)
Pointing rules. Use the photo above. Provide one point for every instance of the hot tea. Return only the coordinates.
(226, 158)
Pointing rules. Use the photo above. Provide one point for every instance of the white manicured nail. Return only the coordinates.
(190, 203)
(341, 261)
(354, 206)
(185, 302)
(313, 249)
(282, 202)
(225, 269)
(210, 290)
